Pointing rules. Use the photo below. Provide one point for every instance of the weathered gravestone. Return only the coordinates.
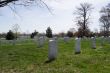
(109, 39)
(77, 46)
(44, 37)
(66, 39)
(93, 42)
(4, 42)
(40, 41)
(36, 40)
(12, 42)
(102, 40)
(52, 52)
(55, 38)
(0, 42)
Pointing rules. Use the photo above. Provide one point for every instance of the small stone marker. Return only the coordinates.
(54, 38)
(93, 42)
(14, 41)
(44, 38)
(78, 46)
(0, 42)
(52, 53)
(36, 39)
(66, 39)
(4, 41)
(40, 41)
(102, 40)
(109, 39)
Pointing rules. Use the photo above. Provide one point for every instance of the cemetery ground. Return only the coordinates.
(26, 57)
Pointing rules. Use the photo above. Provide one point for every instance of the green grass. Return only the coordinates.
(26, 57)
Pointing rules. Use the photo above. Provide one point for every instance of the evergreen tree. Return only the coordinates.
(69, 34)
(49, 32)
(10, 35)
(34, 34)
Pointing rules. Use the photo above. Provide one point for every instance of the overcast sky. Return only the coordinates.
(39, 18)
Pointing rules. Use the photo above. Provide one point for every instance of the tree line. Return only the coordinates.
(83, 13)
(82, 18)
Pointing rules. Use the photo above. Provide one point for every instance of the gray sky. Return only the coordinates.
(39, 18)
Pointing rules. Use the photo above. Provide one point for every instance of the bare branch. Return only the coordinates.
(24, 3)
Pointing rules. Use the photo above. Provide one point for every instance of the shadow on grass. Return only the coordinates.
(49, 61)
(77, 53)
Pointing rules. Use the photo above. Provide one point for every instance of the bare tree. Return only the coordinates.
(104, 25)
(105, 20)
(15, 29)
(83, 16)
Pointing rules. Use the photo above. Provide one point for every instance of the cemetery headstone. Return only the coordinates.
(77, 46)
(93, 42)
(44, 37)
(54, 38)
(14, 41)
(52, 53)
(35, 39)
(0, 42)
(10, 42)
(40, 41)
(66, 39)
(102, 40)
(109, 39)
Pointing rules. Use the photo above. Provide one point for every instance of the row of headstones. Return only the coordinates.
(11, 42)
(4, 42)
(52, 52)
(53, 47)
(41, 40)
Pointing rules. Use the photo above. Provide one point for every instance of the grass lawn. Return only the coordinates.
(26, 57)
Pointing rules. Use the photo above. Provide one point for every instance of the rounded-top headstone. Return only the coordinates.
(52, 54)
(40, 41)
(77, 46)
(66, 39)
(94, 43)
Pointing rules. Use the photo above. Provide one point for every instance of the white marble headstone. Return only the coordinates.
(55, 38)
(78, 46)
(0, 42)
(40, 41)
(93, 42)
(10, 42)
(102, 40)
(44, 38)
(109, 39)
(66, 39)
(14, 41)
(52, 53)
